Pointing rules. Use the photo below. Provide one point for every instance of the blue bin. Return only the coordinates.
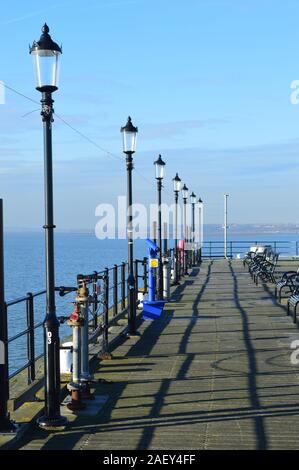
(152, 309)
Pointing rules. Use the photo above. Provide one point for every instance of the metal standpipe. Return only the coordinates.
(76, 322)
(85, 376)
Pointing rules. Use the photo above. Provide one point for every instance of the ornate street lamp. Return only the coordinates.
(160, 169)
(46, 54)
(177, 186)
(129, 133)
(185, 194)
(193, 202)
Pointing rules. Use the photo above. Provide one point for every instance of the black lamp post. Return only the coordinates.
(185, 194)
(129, 147)
(193, 202)
(177, 186)
(160, 167)
(46, 55)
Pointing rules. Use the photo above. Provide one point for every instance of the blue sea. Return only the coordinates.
(76, 253)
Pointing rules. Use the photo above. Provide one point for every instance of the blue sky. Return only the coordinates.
(206, 81)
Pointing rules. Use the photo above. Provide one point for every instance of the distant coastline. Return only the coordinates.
(209, 229)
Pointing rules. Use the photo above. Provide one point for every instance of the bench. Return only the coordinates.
(255, 251)
(293, 301)
(266, 271)
(288, 280)
(259, 260)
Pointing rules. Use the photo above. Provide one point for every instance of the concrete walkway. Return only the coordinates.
(213, 373)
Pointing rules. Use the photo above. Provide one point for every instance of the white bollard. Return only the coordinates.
(66, 358)
(140, 300)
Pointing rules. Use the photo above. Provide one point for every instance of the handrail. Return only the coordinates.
(9, 303)
(215, 248)
(118, 287)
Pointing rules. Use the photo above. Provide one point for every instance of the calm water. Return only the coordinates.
(74, 253)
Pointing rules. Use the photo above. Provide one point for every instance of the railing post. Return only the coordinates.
(275, 247)
(136, 279)
(104, 354)
(115, 289)
(123, 285)
(6, 426)
(145, 287)
(95, 300)
(296, 248)
(231, 249)
(30, 337)
(210, 249)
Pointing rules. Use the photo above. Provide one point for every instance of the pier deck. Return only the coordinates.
(213, 373)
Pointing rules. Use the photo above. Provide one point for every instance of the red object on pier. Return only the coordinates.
(75, 313)
(181, 246)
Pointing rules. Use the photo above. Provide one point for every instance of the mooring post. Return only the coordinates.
(6, 426)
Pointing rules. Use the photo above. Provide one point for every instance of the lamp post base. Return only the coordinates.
(45, 422)
(104, 356)
(8, 427)
(135, 335)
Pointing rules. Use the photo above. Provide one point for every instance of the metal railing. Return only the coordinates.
(215, 249)
(29, 332)
(108, 290)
